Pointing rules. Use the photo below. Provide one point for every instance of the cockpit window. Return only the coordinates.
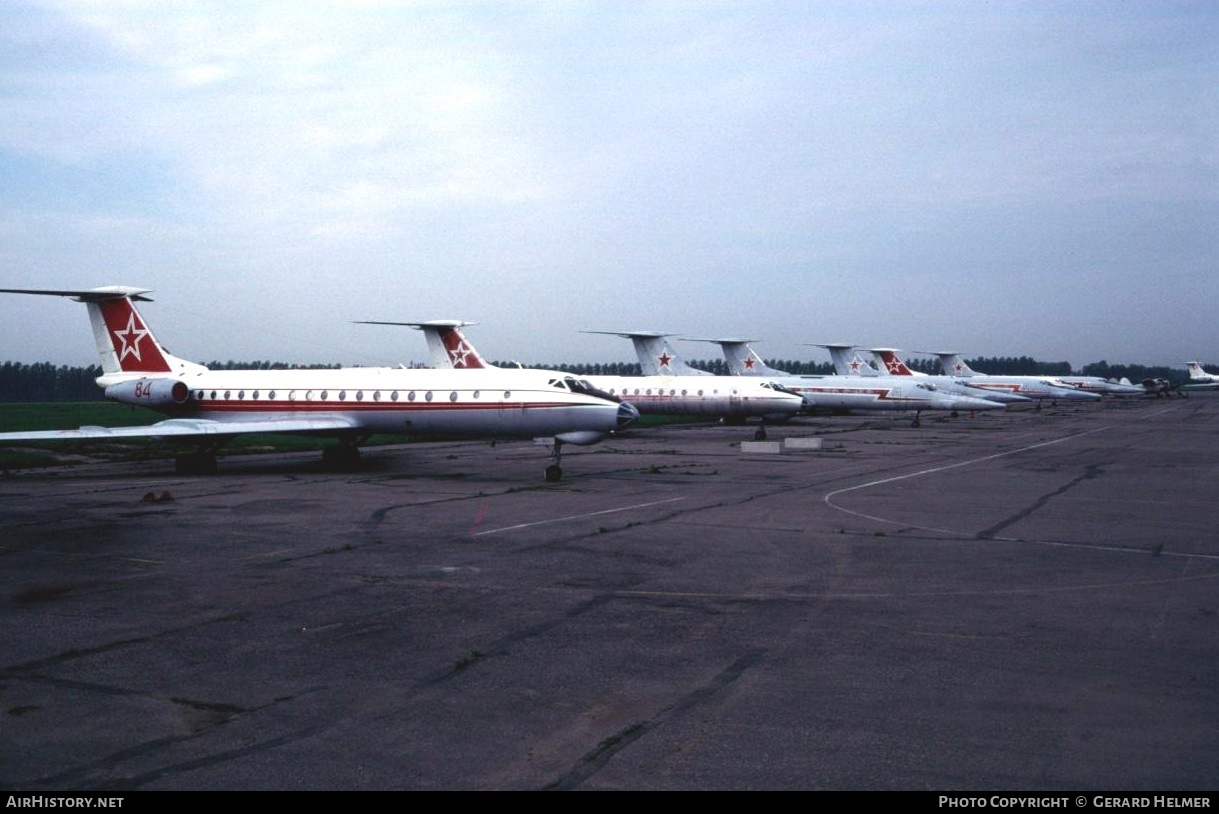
(587, 388)
(778, 388)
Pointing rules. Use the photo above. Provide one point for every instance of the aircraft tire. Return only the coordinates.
(554, 473)
(195, 463)
(341, 458)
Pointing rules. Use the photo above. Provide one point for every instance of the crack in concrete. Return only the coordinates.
(595, 759)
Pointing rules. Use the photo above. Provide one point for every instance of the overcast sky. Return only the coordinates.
(997, 178)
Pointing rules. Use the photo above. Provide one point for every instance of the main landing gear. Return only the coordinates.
(554, 472)
(916, 423)
(739, 421)
(202, 462)
(343, 456)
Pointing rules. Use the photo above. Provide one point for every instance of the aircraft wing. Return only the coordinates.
(187, 428)
(1196, 386)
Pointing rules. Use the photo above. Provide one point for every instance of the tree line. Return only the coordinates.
(44, 381)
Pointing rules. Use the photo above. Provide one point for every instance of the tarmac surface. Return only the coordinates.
(1002, 602)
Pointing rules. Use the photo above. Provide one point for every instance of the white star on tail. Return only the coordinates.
(130, 338)
(459, 353)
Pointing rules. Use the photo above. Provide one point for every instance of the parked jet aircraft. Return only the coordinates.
(837, 393)
(1199, 379)
(743, 360)
(209, 407)
(1101, 386)
(709, 395)
(888, 360)
(1039, 388)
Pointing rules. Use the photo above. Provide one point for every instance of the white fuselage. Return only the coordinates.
(959, 387)
(722, 396)
(1095, 384)
(1199, 379)
(1033, 387)
(878, 393)
(492, 403)
(1198, 375)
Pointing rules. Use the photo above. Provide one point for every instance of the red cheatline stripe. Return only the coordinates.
(220, 405)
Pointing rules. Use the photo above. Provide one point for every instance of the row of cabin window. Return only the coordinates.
(215, 395)
(626, 391)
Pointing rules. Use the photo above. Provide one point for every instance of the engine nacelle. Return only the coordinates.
(581, 438)
(149, 392)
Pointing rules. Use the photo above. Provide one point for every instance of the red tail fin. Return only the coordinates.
(135, 348)
(125, 345)
(893, 365)
(461, 352)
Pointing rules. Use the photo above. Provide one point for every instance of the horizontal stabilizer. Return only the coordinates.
(431, 323)
(632, 334)
(110, 292)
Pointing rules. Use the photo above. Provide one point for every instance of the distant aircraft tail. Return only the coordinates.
(1196, 372)
(953, 365)
(847, 361)
(656, 356)
(743, 360)
(448, 345)
(125, 344)
(892, 363)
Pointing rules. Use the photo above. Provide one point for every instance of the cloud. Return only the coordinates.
(880, 167)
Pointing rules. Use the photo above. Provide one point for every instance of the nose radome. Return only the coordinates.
(627, 415)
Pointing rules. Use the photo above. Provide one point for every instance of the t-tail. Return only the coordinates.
(743, 360)
(447, 344)
(847, 361)
(656, 356)
(127, 347)
(1197, 374)
(953, 365)
(892, 363)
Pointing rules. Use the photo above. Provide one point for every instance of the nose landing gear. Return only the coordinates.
(554, 472)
